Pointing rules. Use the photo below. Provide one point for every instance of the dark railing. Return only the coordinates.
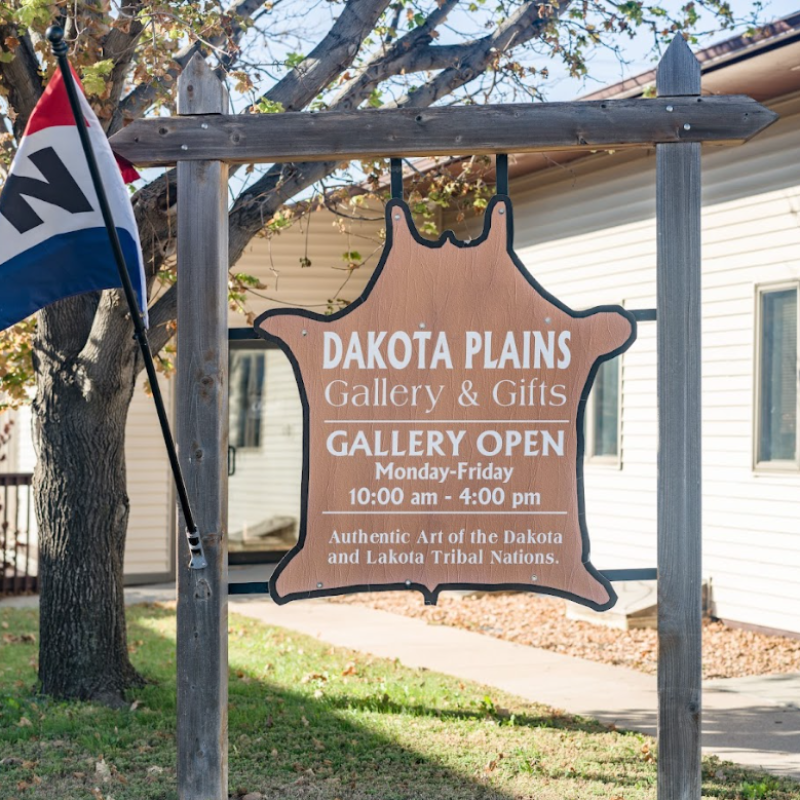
(18, 550)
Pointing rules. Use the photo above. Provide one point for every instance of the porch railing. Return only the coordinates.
(18, 540)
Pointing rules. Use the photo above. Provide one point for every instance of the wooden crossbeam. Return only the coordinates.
(375, 133)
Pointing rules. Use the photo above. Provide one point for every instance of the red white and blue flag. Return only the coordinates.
(53, 242)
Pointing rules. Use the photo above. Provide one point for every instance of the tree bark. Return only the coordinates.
(79, 434)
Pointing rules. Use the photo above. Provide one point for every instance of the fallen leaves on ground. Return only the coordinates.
(540, 621)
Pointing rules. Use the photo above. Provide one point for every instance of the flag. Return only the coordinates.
(53, 241)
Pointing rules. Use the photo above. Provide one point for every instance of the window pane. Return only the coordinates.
(605, 408)
(778, 412)
(245, 400)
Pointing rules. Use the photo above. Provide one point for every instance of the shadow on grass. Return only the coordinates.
(309, 722)
(501, 716)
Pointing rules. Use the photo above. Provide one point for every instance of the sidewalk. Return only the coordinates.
(753, 721)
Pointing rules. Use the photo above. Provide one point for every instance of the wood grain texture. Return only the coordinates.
(377, 133)
(202, 411)
(678, 208)
(679, 71)
(199, 90)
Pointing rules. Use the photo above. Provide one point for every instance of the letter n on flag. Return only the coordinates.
(53, 241)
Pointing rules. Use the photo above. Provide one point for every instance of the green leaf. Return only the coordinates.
(632, 10)
(294, 60)
(94, 77)
(265, 106)
(34, 13)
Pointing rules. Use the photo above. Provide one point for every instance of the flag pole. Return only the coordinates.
(55, 35)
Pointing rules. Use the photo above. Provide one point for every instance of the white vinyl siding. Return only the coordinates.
(21, 455)
(587, 233)
(323, 244)
(149, 545)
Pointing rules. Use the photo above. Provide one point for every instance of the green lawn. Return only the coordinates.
(310, 721)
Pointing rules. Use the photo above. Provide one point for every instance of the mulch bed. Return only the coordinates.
(540, 621)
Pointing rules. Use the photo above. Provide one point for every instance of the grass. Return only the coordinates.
(309, 721)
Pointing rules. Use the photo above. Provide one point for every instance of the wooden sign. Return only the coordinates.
(443, 444)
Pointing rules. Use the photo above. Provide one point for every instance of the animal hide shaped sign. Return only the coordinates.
(444, 430)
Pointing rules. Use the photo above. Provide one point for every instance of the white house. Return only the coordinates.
(585, 227)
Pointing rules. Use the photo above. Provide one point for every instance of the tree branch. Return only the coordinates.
(413, 52)
(162, 316)
(392, 62)
(330, 57)
(154, 205)
(20, 77)
(259, 202)
(155, 212)
(136, 103)
(119, 45)
(528, 22)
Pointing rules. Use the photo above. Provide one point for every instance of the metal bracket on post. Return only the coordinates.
(197, 558)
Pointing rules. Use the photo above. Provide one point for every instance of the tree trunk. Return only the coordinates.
(82, 504)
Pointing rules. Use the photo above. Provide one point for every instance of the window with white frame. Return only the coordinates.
(602, 418)
(776, 434)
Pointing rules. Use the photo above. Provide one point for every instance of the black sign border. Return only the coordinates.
(431, 595)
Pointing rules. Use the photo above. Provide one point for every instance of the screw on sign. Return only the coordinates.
(443, 443)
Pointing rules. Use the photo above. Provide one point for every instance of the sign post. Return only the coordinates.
(679, 442)
(202, 402)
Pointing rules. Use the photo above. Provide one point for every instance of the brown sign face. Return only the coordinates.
(444, 425)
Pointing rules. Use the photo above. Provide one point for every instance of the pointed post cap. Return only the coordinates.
(678, 71)
(200, 91)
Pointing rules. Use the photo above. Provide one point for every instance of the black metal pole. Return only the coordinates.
(55, 36)
(501, 173)
(396, 175)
